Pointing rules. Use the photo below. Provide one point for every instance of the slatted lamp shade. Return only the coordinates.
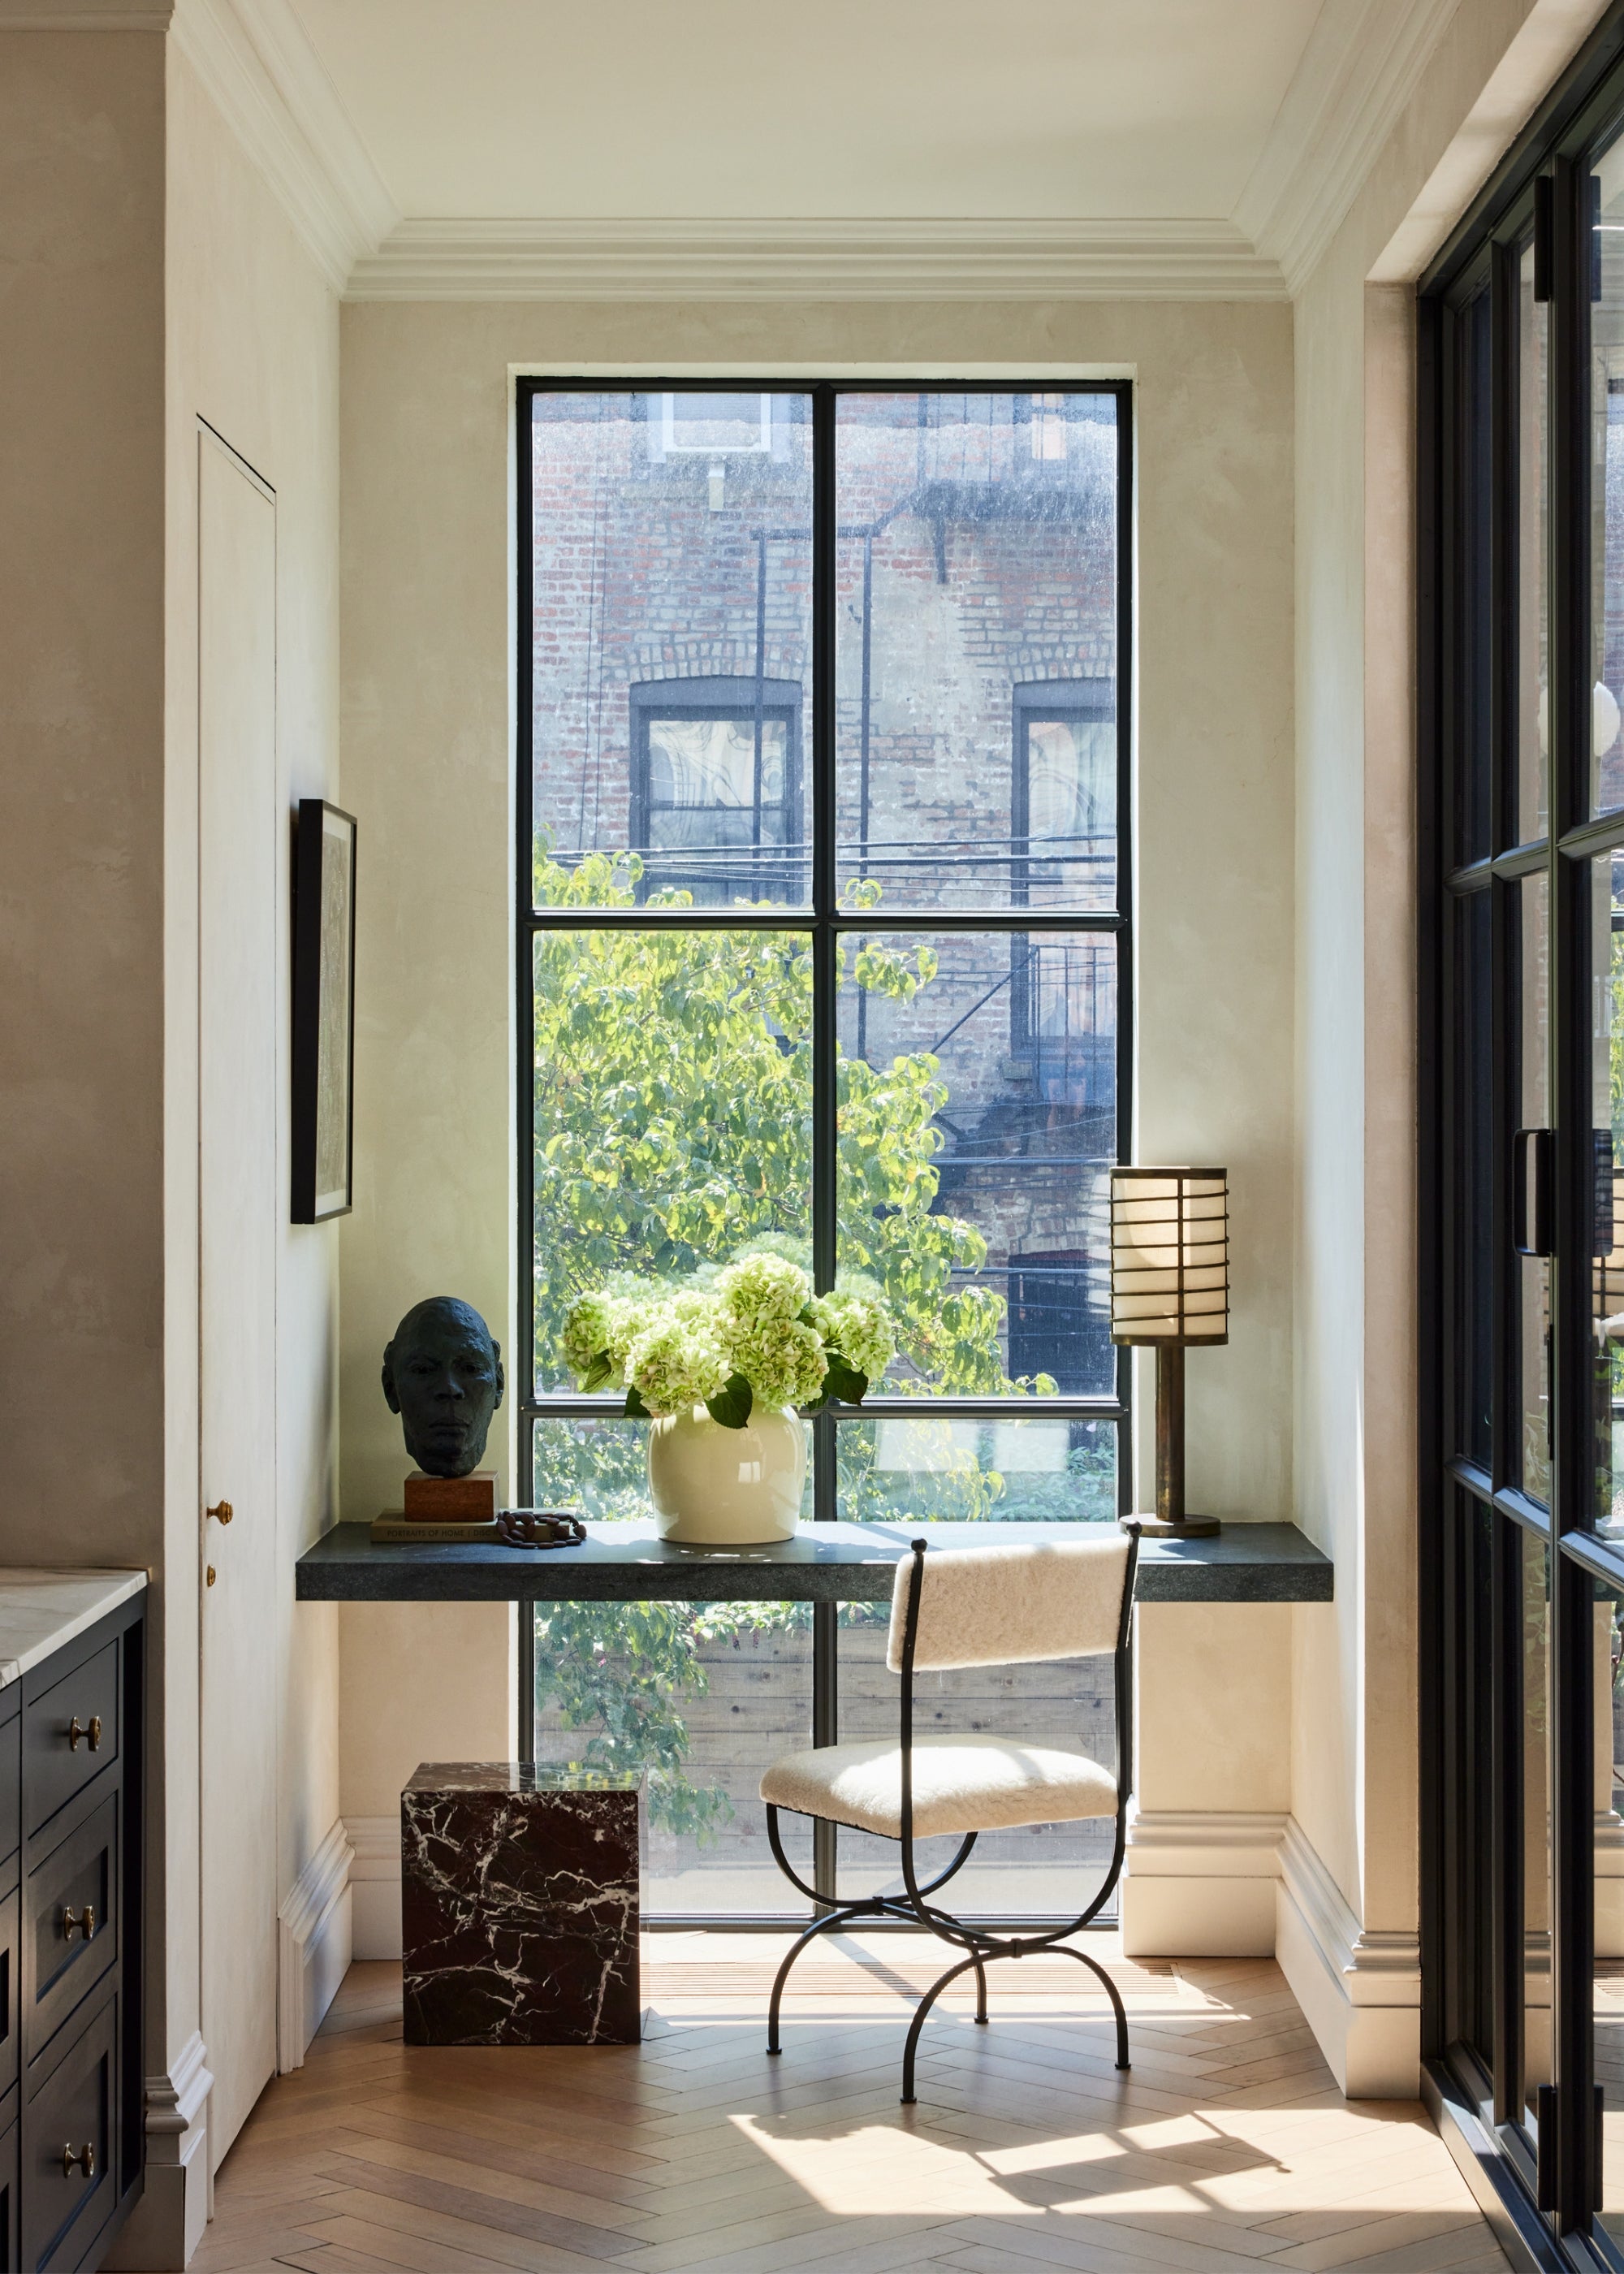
(1169, 1288)
(1169, 1255)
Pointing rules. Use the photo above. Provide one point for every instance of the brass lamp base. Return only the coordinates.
(1169, 1521)
(1187, 1527)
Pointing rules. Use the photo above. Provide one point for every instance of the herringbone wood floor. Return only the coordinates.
(1227, 2148)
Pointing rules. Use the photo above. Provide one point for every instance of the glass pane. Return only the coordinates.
(671, 644)
(977, 616)
(978, 1122)
(700, 1696)
(1470, 1227)
(1536, 1764)
(673, 1101)
(1049, 1871)
(1607, 1675)
(1474, 555)
(1606, 767)
(1606, 930)
(943, 1470)
(1533, 555)
(1468, 1730)
(1533, 1271)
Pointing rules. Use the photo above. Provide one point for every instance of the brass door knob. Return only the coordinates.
(221, 1511)
(92, 1730)
(84, 1921)
(84, 2157)
(208, 1576)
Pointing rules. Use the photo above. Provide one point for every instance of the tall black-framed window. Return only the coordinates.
(1522, 806)
(823, 943)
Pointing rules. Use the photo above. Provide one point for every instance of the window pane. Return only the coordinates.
(977, 616)
(1533, 554)
(1606, 754)
(1606, 933)
(935, 1468)
(1607, 1675)
(671, 642)
(1049, 1871)
(1473, 553)
(700, 1696)
(978, 1122)
(1536, 1629)
(1470, 1225)
(1530, 905)
(673, 1098)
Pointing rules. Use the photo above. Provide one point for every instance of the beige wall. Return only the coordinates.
(427, 647)
(81, 794)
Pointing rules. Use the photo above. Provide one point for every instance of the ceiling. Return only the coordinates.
(814, 110)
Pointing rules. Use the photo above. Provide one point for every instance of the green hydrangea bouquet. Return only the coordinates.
(752, 1334)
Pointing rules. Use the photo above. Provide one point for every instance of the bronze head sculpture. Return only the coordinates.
(442, 1374)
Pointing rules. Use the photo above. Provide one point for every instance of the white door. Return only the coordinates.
(238, 934)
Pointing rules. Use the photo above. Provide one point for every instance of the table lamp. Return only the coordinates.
(1170, 1287)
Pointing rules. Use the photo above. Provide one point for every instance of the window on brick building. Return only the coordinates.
(823, 706)
(716, 788)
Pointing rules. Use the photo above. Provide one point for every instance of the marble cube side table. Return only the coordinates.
(519, 1905)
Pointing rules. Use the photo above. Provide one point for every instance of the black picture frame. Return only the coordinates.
(324, 901)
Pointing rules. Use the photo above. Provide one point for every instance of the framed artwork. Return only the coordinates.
(324, 875)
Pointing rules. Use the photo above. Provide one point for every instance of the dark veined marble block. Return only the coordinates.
(519, 1906)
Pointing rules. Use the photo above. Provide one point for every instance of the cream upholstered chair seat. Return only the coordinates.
(960, 1784)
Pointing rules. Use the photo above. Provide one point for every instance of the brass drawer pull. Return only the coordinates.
(93, 1732)
(221, 1511)
(84, 2157)
(85, 1921)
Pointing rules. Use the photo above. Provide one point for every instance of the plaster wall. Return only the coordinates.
(427, 639)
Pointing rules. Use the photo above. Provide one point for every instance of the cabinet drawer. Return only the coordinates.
(78, 1879)
(10, 1993)
(10, 1787)
(11, 2151)
(69, 1734)
(64, 2203)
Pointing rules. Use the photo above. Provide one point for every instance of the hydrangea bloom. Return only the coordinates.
(680, 1346)
(676, 1363)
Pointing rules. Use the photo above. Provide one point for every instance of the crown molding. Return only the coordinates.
(256, 60)
(1360, 67)
(443, 259)
(108, 16)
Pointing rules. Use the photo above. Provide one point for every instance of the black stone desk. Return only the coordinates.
(824, 1563)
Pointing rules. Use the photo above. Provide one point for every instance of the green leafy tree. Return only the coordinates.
(674, 1088)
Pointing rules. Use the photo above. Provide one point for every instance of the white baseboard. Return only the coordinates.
(313, 1946)
(1200, 1884)
(1359, 1989)
(375, 1885)
(1221, 1884)
(167, 2224)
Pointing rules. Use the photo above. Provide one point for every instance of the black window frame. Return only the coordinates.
(1546, 2191)
(822, 917)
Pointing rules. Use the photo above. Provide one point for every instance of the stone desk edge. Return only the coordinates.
(833, 1562)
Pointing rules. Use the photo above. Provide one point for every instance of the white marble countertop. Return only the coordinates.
(40, 1611)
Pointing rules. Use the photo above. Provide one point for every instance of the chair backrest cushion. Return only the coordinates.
(1007, 1604)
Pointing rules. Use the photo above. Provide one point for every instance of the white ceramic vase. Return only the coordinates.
(717, 1487)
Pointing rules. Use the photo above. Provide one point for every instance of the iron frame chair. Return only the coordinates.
(981, 1945)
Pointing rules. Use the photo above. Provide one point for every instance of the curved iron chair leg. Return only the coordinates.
(1064, 1950)
(921, 2014)
(981, 1993)
(841, 1917)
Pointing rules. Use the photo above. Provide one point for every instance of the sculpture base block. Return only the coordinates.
(520, 1906)
(451, 1500)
